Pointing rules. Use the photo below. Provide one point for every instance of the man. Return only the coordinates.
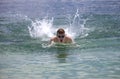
(61, 37)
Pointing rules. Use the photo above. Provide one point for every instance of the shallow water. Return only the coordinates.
(24, 45)
(87, 60)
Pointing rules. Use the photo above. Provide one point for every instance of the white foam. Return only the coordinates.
(44, 28)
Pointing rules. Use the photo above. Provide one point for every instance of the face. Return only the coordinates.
(60, 36)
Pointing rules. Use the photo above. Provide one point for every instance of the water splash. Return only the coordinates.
(77, 26)
(42, 29)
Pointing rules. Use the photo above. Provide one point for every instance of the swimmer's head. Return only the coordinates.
(60, 31)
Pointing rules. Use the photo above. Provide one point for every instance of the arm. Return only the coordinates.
(52, 40)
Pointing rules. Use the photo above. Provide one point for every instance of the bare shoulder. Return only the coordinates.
(54, 39)
(69, 39)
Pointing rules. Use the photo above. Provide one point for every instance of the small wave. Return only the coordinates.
(60, 45)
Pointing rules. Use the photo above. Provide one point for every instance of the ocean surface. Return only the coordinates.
(26, 27)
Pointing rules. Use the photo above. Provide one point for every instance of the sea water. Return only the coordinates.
(27, 26)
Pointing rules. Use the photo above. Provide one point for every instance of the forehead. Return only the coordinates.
(60, 34)
(60, 31)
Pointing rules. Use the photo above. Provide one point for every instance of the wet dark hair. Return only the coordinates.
(60, 31)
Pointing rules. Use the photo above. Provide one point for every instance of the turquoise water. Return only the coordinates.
(26, 27)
